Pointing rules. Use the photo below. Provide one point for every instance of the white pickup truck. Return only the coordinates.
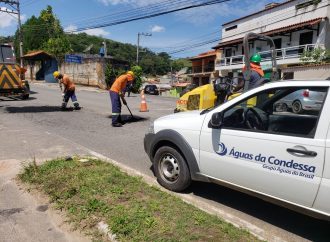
(252, 145)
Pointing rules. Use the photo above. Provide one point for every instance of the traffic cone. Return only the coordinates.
(143, 105)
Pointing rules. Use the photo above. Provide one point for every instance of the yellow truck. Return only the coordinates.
(209, 95)
(11, 74)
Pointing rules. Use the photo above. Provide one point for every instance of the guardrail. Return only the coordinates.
(282, 54)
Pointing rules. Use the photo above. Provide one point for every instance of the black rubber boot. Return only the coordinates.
(117, 125)
(76, 106)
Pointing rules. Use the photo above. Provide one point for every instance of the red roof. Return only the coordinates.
(274, 31)
(37, 55)
(205, 54)
(182, 84)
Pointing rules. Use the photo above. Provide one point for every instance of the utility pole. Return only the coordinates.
(15, 5)
(138, 45)
(20, 34)
(105, 48)
(171, 74)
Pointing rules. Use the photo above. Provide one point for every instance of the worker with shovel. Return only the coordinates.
(116, 93)
(69, 90)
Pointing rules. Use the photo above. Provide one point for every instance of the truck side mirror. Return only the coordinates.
(216, 121)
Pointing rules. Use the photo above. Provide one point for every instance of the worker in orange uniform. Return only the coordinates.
(257, 74)
(116, 92)
(69, 90)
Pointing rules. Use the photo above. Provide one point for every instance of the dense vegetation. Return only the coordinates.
(45, 32)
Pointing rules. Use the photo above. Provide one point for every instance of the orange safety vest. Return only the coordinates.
(68, 84)
(120, 83)
(256, 68)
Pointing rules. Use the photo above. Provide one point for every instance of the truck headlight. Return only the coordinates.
(151, 129)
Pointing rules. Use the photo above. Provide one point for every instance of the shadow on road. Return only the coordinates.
(36, 109)
(294, 222)
(129, 119)
(10, 99)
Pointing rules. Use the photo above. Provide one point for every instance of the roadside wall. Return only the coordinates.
(88, 73)
(321, 71)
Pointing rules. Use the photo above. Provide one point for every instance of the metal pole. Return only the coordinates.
(171, 74)
(105, 48)
(137, 49)
(20, 34)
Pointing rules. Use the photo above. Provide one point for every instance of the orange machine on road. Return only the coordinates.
(11, 83)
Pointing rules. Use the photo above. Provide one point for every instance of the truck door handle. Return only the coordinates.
(301, 152)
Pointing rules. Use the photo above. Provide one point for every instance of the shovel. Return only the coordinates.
(125, 103)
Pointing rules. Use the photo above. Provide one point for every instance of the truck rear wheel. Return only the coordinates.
(171, 169)
(25, 96)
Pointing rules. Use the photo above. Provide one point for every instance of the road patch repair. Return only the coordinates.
(108, 204)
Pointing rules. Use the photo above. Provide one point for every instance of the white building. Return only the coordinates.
(295, 26)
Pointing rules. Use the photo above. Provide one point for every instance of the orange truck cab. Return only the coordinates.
(11, 83)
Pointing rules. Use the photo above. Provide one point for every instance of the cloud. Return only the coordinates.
(114, 2)
(234, 9)
(138, 3)
(70, 28)
(97, 32)
(157, 28)
(7, 20)
(200, 15)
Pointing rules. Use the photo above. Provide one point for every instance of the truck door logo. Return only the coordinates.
(222, 149)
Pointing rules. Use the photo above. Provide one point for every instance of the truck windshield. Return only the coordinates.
(6, 54)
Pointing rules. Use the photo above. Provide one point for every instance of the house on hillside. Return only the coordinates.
(296, 26)
(203, 67)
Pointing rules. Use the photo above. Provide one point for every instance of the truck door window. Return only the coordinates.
(286, 111)
(7, 55)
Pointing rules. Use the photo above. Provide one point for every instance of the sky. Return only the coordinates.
(170, 33)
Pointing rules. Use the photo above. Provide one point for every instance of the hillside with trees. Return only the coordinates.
(44, 32)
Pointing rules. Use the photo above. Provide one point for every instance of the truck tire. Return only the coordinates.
(26, 93)
(171, 169)
(25, 96)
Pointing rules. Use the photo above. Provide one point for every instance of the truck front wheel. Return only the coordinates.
(171, 169)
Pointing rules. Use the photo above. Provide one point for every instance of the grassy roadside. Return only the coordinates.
(96, 191)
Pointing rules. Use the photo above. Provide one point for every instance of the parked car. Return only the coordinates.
(300, 101)
(151, 89)
(246, 145)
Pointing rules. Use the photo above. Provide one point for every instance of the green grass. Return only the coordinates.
(98, 191)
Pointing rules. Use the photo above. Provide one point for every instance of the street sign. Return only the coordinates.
(73, 59)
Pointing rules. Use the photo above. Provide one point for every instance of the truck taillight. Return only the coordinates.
(306, 93)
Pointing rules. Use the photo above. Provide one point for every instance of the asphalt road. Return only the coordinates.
(91, 128)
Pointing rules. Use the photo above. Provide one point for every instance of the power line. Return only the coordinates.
(155, 14)
(29, 2)
(129, 14)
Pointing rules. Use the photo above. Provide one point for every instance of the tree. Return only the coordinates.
(317, 56)
(6, 39)
(51, 24)
(111, 74)
(138, 80)
(38, 30)
(180, 63)
(58, 47)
